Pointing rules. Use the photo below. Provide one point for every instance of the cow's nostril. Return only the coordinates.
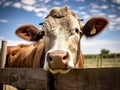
(65, 57)
(49, 59)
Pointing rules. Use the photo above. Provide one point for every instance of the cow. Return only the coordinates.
(56, 46)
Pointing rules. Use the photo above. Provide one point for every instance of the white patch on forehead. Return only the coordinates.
(73, 22)
(60, 40)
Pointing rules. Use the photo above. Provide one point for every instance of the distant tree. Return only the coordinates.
(105, 51)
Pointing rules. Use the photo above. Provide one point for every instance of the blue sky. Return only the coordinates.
(14, 13)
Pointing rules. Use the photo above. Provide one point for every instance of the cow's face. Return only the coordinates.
(62, 30)
(62, 36)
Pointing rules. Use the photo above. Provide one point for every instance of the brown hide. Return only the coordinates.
(22, 56)
(25, 55)
(80, 63)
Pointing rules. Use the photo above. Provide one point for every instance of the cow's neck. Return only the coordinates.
(42, 59)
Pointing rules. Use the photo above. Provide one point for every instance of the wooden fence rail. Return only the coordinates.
(24, 78)
(76, 79)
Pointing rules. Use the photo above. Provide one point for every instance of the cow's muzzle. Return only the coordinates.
(59, 61)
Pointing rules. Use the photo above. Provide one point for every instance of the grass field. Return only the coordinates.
(101, 62)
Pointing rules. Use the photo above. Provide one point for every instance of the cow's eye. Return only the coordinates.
(40, 35)
(77, 30)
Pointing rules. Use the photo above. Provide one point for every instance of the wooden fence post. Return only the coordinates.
(3, 57)
(3, 54)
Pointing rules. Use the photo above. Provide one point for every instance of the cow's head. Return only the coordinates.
(61, 33)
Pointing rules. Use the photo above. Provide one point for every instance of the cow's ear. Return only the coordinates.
(94, 26)
(28, 32)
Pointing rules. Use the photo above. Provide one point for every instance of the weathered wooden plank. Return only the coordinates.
(32, 78)
(89, 79)
(76, 79)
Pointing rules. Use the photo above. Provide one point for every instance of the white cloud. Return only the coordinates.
(2, 37)
(7, 3)
(56, 3)
(41, 12)
(94, 6)
(117, 1)
(111, 27)
(102, 14)
(95, 11)
(118, 20)
(4, 21)
(28, 2)
(86, 17)
(104, 7)
(17, 5)
(28, 7)
(41, 15)
(32, 6)
(46, 1)
(96, 42)
(83, 13)
(112, 16)
(81, 8)
(113, 23)
(42, 9)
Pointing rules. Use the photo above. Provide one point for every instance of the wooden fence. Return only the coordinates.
(76, 79)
